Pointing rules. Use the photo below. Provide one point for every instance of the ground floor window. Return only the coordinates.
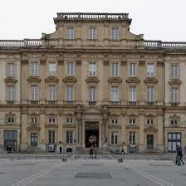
(150, 141)
(114, 137)
(33, 139)
(51, 136)
(69, 136)
(174, 138)
(10, 139)
(132, 138)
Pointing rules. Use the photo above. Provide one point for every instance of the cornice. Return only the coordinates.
(69, 79)
(152, 80)
(92, 80)
(133, 80)
(51, 79)
(114, 80)
(34, 79)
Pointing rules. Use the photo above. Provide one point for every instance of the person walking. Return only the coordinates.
(181, 156)
(91, 152)
(178, 155)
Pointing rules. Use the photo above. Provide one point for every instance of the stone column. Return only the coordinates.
(160, 134)
(141, 135)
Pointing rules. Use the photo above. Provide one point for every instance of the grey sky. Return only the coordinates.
(156, 19)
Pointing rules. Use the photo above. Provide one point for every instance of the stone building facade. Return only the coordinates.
(92, 80)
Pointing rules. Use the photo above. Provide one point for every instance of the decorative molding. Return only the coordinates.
(43, 61)
(24, 61)
(152, 80)
(69, 79)
(160, 63)
(34, 79)
(51, 79)
(10, 80)
(61, 61)
(51, 126)
(150, 129)
(34, 128)
(114, 126)
(105, 62)
(123, 62)
(175, 82)
(92, 80)
(129, 126)
(114, 80)
(78, 61)
(69, 126)
(133, 80)
(142, 62)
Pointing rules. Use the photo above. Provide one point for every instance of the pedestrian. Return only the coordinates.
(91, 152)
(178, 155)
(60, 150)
(95, 151)
(181, 156)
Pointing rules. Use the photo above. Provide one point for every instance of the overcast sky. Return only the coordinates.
(156, 19)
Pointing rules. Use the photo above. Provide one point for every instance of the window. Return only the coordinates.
(174, 121)
(114, 94)
(69, 93)
(174, 95)
(92, 69)
(132, 94)
(34, 93)
(51, 119)
(92, 93)
(114, 137)
(34, 119)
(114, 120)
(70, 33)
(150, 70)
(115, 69)
(132, 138)
(10, 94)
(52, 69)
(10, 119)
(174, 71)
(149, 121)
(150, 94)
(70, 69)
(92, 33)
(69, 120)
(51, 136)
(34, 69)
(132, 69)
(10, 70)
(52, 93)
(132, 121)
(69, 136)
(115, 34)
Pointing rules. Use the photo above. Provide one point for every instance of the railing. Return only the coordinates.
(81, 15)
(20, 43)
(164, 45)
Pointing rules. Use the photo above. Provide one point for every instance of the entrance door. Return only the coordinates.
(150, 142)
(91, 133)
(34, 139)
(10, 139)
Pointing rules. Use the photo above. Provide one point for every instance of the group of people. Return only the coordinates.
(93, 150)
(179, 156)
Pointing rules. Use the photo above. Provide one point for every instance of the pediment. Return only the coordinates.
(133, 80)
(34, 128)
(92, 110)
(34, 79)
(151, 80)
(10, 80)
(151, 129)
(52, 79)
(69, 79)
(92, 80)
(115, 80)
(175, 82)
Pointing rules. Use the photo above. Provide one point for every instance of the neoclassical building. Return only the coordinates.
(92, 80)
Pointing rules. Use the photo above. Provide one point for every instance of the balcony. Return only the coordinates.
(115, 103)
(10, 102)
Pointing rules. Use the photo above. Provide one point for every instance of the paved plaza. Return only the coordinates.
(83, 171)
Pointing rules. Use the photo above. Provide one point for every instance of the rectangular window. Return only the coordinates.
(70, 33)
(10, 119)
(174, 71)
(132, 121)
(52, 93)
(92, 69)
(51, 119)
(34, 69)
(114, 137)
(132, 69)
(10, 70)
(150, 121)
(92, 33)
(115, 69)
(52, 69)
(69, 120)
(150, 70)
(34, 119)
(150, 94)
(132, 94)
(132, 138)
(92, 94)
(114, 120)
(174, 95)
(115, 34)
(51, 136)
(70, 69)
(69, 93)
(69, 136)
(34, 93)
(114, 94)
(10, 95)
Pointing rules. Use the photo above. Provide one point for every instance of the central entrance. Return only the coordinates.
(91, 134)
